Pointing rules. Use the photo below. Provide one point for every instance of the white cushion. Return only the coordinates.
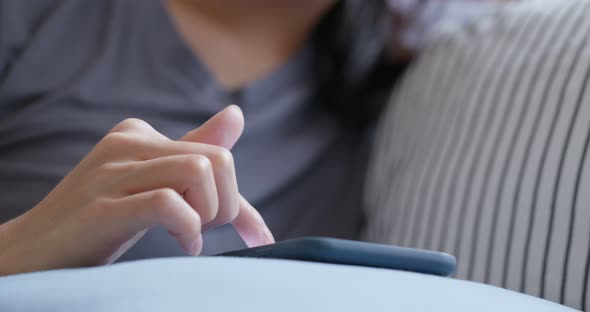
(228, 284)
(483, 152)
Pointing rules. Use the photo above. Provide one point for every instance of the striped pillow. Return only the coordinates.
(483, 152)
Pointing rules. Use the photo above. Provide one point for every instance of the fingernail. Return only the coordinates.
(235, 107)
(269, 237)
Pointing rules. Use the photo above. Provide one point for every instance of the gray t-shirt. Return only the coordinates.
(70, 70)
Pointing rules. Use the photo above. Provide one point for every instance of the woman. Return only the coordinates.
(309, 77)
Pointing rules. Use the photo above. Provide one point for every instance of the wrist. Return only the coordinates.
(13, 255)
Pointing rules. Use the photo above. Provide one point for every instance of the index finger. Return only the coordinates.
(251, 227)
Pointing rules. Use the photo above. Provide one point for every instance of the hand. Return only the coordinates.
(133, 179)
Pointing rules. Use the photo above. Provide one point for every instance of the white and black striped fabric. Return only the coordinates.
(483, 152)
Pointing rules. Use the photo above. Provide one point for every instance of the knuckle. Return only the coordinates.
(106, 172)
(131, 124)
(163, 200)
(110, 169)
(198, 165)
(117, 139)
(124, 145)
(222, 157)
(109, 175)
(101, 205)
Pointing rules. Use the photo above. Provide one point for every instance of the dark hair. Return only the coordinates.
(356, 65)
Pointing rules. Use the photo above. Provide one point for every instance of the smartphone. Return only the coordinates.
(340, 251)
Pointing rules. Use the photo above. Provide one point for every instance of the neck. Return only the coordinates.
(242, 41)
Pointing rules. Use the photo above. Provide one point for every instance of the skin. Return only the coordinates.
(133, 179)
(243, 41)
(136, 178)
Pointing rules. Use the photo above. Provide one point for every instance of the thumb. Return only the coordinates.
(224, 129)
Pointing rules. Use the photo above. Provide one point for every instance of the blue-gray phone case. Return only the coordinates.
(340, 251)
